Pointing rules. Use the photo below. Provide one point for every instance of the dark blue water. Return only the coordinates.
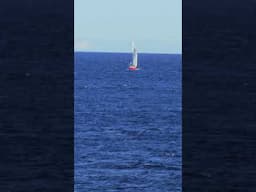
(127, 123)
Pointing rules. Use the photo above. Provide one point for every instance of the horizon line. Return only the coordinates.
(127, 52)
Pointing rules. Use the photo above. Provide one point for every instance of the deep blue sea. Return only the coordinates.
(127, 123)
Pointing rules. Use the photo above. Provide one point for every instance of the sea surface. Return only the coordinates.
(127, 123)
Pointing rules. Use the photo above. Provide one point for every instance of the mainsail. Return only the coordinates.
(135, 56)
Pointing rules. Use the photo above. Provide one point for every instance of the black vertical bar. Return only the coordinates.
(219, 95)
(36, 97)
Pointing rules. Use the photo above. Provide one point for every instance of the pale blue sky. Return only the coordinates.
(110, 25)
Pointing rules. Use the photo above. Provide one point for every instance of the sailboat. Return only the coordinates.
(134, 64)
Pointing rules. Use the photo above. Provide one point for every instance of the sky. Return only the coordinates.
(155, 26)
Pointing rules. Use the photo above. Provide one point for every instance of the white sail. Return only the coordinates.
(135, 56)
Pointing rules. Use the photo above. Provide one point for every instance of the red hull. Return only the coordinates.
(132, 68)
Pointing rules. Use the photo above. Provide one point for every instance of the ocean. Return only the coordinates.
(127, 123)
